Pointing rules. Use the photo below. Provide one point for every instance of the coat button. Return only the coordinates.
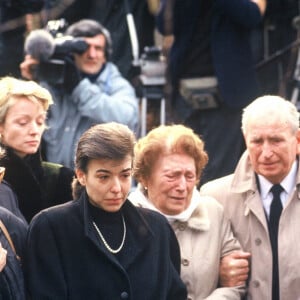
(256, 283)
(257, 241)
(182, 226)
(124, 295)
(185, 262)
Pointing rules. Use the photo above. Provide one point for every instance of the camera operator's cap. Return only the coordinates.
(2, 172)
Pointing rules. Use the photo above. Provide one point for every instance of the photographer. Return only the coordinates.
(92, 91)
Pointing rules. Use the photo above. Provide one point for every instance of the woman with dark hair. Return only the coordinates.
(100, 246)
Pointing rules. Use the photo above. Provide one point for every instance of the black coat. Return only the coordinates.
(66, 260)
(37, 184)
(9, 200)
(11, 277)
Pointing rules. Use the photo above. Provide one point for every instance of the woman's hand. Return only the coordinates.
(3, 255)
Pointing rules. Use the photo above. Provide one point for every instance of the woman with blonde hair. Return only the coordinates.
(37, 184)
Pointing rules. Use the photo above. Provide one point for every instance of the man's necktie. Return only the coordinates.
(275, 212)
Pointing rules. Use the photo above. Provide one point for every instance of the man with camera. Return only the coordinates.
(91, 91)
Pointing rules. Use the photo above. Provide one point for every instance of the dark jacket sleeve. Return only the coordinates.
(9, 200)
(164, 18)
(242, 12)
(16, 228)
(40, 284)
(11, 277)
(174, 250)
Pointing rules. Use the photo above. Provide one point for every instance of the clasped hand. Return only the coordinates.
(234, 269)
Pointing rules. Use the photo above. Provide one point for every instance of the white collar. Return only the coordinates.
(288, 183)
(140, 199)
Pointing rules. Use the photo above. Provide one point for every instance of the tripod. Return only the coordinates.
(152, 89)
(296, 77)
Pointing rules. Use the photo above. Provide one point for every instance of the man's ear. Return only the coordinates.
(81, 176)
(298, 141)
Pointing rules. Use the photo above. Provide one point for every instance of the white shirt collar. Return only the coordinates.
(288, 184)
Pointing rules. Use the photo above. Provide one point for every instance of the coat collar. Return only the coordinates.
(198, 218)
(244, 179)
(245, 182)
(26, 177)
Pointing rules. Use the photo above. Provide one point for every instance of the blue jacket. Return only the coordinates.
(110, 98)
(231, 52)
(66, 260)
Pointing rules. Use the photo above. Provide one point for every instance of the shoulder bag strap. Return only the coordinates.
(7, 235)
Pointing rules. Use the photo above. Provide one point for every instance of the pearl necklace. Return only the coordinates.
(114, 251)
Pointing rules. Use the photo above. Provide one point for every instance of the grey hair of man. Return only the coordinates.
(265, 107)
(91, 28)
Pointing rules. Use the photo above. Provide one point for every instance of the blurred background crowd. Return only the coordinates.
(273, 41)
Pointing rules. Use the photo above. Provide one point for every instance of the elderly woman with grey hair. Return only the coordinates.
(168, 164)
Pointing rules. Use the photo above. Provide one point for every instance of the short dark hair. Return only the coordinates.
(109, 141)
(91, 28)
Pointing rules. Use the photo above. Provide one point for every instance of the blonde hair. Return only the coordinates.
(12, 89)
(167, 139)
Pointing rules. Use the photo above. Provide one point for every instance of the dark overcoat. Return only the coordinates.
(37, 184)
(232, 22)
(66, 260)
(11, 277)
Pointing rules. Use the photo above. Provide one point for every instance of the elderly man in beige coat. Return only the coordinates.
(270, 126)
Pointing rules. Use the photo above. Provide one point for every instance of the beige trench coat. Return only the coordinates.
(203, 240)
(241, 200)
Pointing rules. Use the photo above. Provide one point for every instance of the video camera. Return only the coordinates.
(52, 49)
